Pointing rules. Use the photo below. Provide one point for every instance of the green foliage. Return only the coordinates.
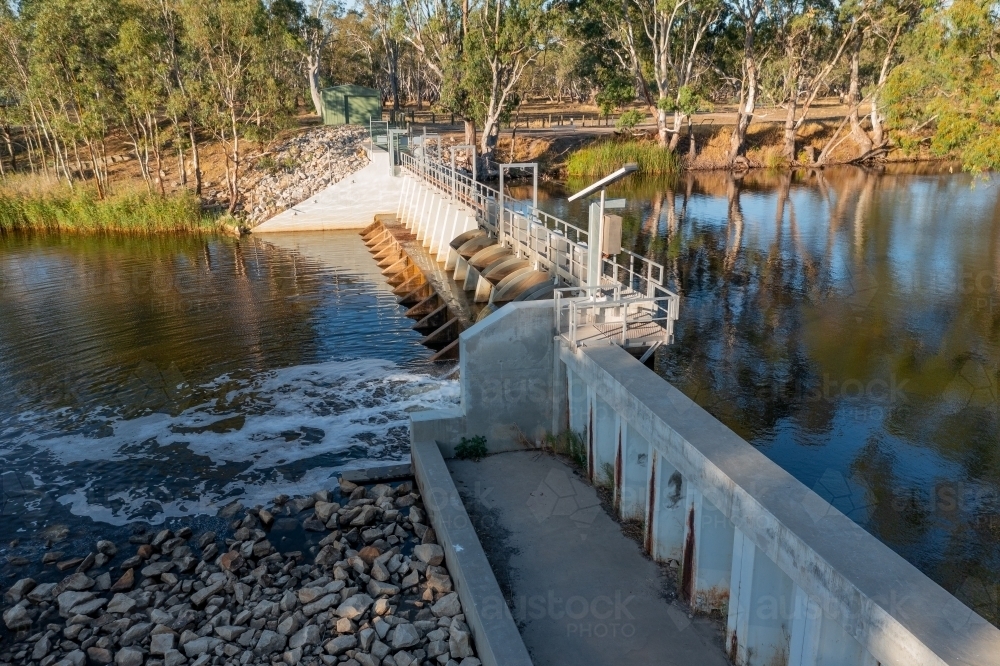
(629, 120)
(61, 209)
(155, 73)
(616, 92)
(481, 71)
(949, 84)
(149, 72)
(774, 158)
(268, 163)
(570, 445)
(471, 448)
(690, 100)
(603, 157)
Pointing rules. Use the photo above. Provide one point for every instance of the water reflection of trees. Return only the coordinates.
(145, 311)
(769, 326)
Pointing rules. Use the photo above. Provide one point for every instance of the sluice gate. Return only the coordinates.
(438, 316)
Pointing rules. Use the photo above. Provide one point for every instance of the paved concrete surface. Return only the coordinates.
(350, 203)
(498, 642)
(582, 592)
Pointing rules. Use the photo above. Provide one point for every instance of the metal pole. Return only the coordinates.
(594, 246)
(500, 207)
(454, 176)
(600, 240)
(535, 194)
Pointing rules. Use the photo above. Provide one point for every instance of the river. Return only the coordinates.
(845, 322)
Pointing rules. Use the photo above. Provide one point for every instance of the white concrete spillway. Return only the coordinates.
(798, 582)
(350, 203)
(433, 217)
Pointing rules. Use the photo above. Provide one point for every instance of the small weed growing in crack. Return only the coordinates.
(471, 448)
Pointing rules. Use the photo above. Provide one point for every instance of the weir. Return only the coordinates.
(794, 580)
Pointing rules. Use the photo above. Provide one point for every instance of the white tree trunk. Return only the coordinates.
(314, 84)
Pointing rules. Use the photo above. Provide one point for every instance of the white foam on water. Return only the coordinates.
(290, 416)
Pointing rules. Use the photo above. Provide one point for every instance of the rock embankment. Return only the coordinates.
(374, 591)
(297, 168)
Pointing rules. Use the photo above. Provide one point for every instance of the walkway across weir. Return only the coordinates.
(581, 592)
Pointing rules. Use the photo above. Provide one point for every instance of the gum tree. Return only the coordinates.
(747, 14)
(242, 97)
(949, 84)
(677, 31)
(505, 37)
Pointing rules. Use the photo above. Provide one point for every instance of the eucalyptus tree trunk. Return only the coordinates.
(195, 161)
(312, 64)
(791, 101)
(748, 104)
(9, 142)
(747, 11)
(858, 134)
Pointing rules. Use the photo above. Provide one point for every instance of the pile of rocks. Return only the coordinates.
(375, 592)
(301, 166)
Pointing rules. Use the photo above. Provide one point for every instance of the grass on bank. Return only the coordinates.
(31, 204)
(603, 157)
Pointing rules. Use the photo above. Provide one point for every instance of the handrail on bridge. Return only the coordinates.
(639, 301)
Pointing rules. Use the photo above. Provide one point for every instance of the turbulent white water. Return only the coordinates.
(282, 431)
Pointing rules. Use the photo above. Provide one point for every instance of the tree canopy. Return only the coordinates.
(169, 74)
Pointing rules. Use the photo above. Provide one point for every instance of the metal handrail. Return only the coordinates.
(633, 291)
(544, 248)
(549, 243)
(481, 198)
(580, 307)
(570, 231)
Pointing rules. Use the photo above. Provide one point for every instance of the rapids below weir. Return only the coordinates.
(151, 379)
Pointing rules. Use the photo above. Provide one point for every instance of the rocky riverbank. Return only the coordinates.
(295, 169)
(373, 590)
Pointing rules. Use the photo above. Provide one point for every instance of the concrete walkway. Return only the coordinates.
(582, 592)
(350, 203)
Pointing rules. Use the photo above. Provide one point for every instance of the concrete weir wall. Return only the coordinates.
(797, 581)
(433, 216)
(507, 382)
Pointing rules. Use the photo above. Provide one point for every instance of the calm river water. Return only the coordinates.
(149, 378)
(847, 323)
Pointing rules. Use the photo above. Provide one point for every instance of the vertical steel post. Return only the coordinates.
(594, 237)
